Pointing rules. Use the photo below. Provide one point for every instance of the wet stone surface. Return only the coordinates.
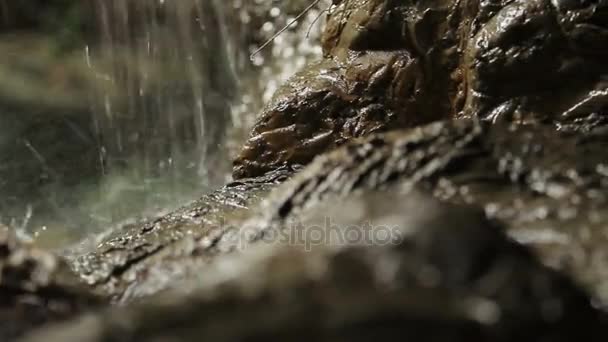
(501, 261)
(520, 61)
(142, 259)
(451, 276)
(549, 188)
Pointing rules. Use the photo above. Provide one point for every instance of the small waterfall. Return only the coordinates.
(129, 108)
(172, 106)
(162, 114)
(169, 83)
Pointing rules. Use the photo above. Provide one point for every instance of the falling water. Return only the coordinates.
(162, 116)
(171, 94)
(172, 97)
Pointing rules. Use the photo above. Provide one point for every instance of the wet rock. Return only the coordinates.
(371, 81)
(549, 188)
(450, 276)
(143, 259)
(36, 288)
(328, 104)
(548, 42)
(266, 273)
(416, 62)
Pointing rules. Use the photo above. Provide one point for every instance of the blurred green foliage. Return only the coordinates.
(96, 129)
(47, 145)
(63, 21)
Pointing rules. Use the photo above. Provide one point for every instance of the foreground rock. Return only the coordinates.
(141, 260)
(507, 172)
(36, 288)
(219, 270)
(549, 188)
(447, 274)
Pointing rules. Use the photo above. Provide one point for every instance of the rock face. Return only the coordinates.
(547, 187)
(393, 64)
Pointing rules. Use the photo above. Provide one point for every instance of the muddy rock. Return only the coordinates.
(36, 288)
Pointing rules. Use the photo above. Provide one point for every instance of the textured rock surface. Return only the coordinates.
(328, 104)
(550, 42)
(357, 90)
(396, 64)
(496, 226)
(447, 267)
(450, 276)
(144, 259)
(549, 188)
